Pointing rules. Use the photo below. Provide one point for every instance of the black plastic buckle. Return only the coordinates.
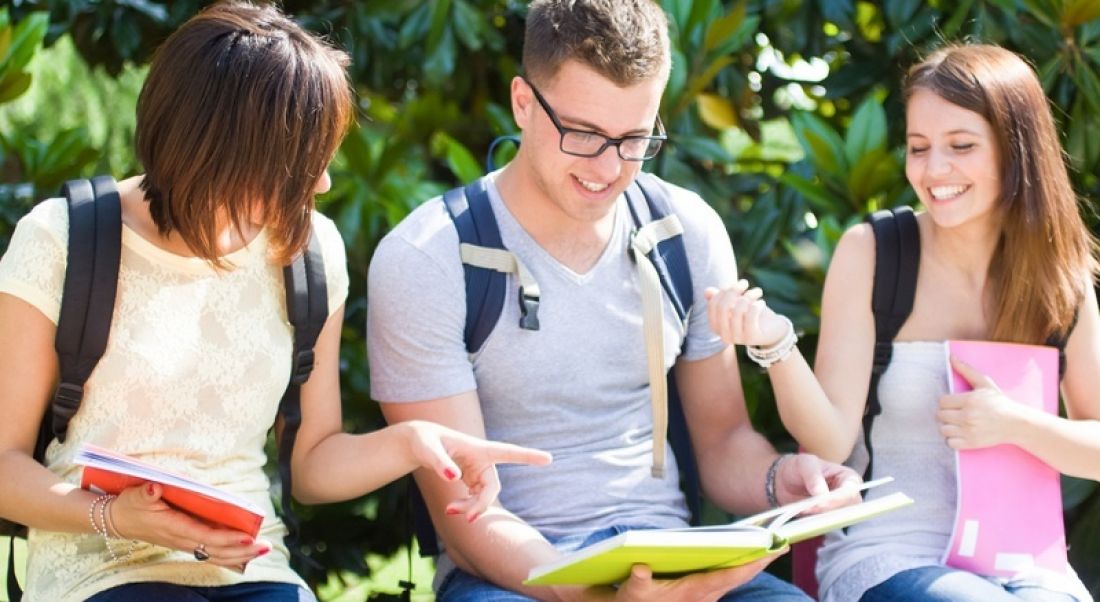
(883, 353)
(302, 366)
(529, 311)
(69, 395)
(66, 401)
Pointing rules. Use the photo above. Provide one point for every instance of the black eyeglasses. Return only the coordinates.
(585, 143)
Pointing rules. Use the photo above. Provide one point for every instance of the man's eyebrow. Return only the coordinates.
(581, 123)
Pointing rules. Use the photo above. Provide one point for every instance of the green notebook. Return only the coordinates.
(676, 552)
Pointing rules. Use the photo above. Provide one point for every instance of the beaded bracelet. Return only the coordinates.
(769, 480)
(92, 514)
(766, 356)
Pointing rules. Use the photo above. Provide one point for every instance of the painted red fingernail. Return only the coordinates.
(452, 511)
(247, 541)
(149, 488)
(449, 474)
(473, 517)
(263, 552)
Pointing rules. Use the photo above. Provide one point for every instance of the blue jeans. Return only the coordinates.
(940, 583)
(262, 591)
(460, 586)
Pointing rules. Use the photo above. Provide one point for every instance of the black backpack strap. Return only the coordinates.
(307, 310)
(15, 593)
(1058, 340)
(897, 260)
(87, 307)
(88, 297)
(669, 257)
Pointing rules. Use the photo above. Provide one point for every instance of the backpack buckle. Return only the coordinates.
(529, 310)
(883, 353)
(66, 401)
(302, 366)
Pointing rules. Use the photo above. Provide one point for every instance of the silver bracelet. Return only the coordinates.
(766, 356)
(769, 480)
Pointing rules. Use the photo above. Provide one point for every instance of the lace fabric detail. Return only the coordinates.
(195, 366)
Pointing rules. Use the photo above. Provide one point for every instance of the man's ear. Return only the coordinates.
(523, 102)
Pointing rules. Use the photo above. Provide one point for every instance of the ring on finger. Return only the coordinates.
(200, 553)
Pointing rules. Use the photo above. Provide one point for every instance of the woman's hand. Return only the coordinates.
(739, 315)
(140, 513)
(982, 417)
(457, 456)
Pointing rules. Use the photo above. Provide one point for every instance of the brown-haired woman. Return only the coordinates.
(239, 117)
(1004, 256)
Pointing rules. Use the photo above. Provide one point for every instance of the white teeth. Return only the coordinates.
(592, 186)
(946, 192)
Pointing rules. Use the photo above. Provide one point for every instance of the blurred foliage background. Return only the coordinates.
(783, 114)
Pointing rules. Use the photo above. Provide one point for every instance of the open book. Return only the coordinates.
(110, 472)
(1003, 488)
(675, 552)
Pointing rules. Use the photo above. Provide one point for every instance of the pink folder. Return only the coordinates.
(1009, 513)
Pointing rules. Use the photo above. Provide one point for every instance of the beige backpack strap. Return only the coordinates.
(644, 240)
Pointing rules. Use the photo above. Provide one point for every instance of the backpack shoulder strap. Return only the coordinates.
(650, 208)
(307, 310)
(1059, 340)
(88, 296)
(87, 307)
(897, 260)
(486, 263)
(670, 255)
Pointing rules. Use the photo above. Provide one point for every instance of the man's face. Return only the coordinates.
(584, 189)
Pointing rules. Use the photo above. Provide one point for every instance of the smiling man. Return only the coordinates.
(579, 385)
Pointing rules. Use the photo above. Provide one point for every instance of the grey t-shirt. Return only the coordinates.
(578, 387)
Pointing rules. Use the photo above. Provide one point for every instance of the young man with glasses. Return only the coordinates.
(579, 385)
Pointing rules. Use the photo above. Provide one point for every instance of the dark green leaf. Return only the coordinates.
(816, 195)
(867, 132)
(822, 144)
(721, 29)
(702, 148)
(1088, 83)
(900, 12)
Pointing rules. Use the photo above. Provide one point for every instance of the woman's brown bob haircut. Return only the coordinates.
(238, 119)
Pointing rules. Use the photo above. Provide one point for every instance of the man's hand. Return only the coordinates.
(804, 475)
(707, 586)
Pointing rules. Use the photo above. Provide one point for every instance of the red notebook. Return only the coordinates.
(111, 472)
(1008, 518)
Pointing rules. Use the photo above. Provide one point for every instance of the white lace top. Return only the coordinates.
(195, 366)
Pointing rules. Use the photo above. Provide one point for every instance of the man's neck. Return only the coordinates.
(576, 244)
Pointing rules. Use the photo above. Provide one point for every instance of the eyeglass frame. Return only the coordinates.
(661, 137)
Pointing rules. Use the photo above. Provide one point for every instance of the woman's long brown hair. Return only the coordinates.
(240, 115)
(1045, 256)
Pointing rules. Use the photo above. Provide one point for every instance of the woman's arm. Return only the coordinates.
(821, 411)
(982, 417)
(331, 465)
(28, 373)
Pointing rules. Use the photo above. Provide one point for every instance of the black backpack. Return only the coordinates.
(648, 201)
(84, 324)
(897, 262)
